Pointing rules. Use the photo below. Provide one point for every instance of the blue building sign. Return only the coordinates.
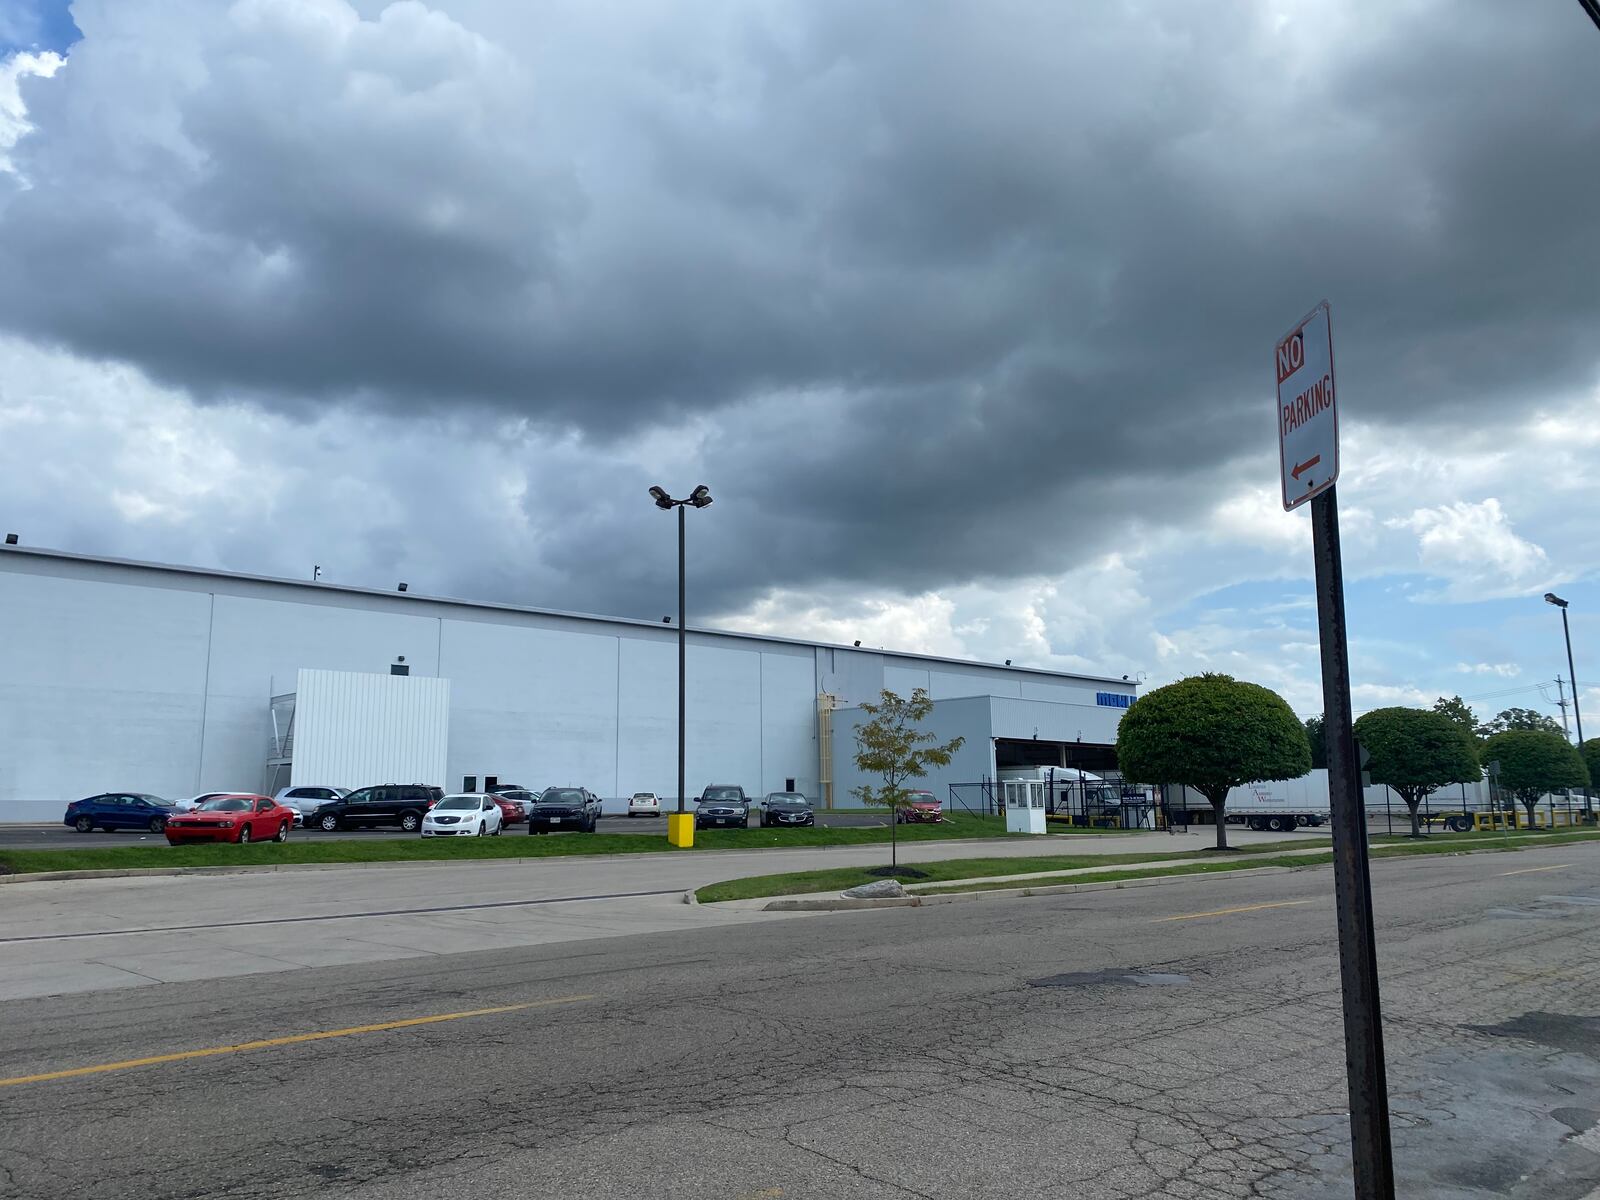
(1112, 700)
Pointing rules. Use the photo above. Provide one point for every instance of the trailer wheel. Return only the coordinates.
(1458, 825)
(1280, 824)
(1256, 823)
(1302, 819)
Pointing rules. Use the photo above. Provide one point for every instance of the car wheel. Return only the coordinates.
(244, 835)
(283, 833)
(329, 823)
(157, 824)
(84, 825)
(483, 828)
(410, 821)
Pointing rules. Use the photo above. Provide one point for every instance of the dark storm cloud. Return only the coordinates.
(962, 290)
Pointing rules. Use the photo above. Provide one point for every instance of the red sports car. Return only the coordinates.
(511, 813)
(241, 817)
(921, 808)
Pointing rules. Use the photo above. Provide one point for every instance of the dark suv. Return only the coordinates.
(560, 808)
(722, 804)
(399, 804)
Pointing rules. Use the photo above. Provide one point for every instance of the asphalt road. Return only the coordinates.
(1173, 1041)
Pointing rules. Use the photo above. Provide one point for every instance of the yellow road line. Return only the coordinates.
(265, 1043)
(1223, 912)
(1532, 870)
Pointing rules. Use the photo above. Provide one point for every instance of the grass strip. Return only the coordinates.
(1261, 854)
(514, 844)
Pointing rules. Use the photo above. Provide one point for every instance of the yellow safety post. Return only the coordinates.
(680, 829)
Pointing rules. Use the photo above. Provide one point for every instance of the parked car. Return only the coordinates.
(465, 814)
(190, 803)
(510, 810)
(644, 804)
(244, 817)
(119, 810)
(922, 808)
(722, 804)
(565, 808)
(303, 800)
(786, 808)
(401, 804)
(525, 798)
(501, 789)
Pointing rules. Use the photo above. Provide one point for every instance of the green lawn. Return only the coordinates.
(1261, 854)
(512, 845)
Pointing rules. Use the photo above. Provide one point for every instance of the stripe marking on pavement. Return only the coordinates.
(1224, 912)
(294, 1039)
(1534, 870)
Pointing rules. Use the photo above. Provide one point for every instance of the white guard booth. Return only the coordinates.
(1024, 800)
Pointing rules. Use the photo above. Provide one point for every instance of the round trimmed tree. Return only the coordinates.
(1533, 762)
(1212, 733)
(1416, 752)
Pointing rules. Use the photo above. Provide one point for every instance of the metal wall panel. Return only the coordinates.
(353, 729)
(101, 687)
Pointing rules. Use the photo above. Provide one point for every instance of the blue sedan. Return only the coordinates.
(119, 810)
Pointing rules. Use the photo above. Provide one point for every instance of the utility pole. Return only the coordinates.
(1561, 702)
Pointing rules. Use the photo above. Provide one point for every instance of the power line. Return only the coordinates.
(1592, 7)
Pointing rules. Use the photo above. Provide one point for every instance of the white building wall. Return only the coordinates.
(101, 686)
(966, 718)
(258, 647)
(372, 728)
(128, 675)
(1051, 721)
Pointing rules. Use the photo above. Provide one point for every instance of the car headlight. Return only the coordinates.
(227, 824)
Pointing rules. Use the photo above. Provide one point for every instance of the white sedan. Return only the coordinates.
(466, 814)
(644, 804)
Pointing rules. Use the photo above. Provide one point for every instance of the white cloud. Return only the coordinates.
(1472, 547)
(1504, 670)
(13, 111)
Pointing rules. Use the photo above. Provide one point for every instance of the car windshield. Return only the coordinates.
(226, 804)
(457, 802)
(561, 796)
(722, 795)
(924, 798)
(786, 802)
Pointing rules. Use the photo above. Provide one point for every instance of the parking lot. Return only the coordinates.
(61, 837)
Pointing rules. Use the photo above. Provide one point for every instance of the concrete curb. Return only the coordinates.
(1056, 889)
(690, 898)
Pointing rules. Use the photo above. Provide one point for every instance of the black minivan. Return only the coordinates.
(400, 804)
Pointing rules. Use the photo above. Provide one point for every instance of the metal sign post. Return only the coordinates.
(1309, 458)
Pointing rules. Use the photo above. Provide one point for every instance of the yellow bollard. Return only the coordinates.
(680, 829)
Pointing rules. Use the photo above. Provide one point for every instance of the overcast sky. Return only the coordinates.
(964, 312)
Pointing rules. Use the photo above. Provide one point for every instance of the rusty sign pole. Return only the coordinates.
(1371, 1154)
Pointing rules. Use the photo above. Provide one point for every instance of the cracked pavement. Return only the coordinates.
(966, 1050)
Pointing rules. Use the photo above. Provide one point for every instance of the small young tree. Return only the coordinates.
(894, 747)
(1533, 762)
(1213, 733)
(1415, 752)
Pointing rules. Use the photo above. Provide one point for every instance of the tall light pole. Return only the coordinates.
(679, 832)
(1577, 713)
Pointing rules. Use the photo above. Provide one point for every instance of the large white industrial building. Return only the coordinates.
(176, 680)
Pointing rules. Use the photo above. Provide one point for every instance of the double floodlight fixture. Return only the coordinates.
(699, 498)
(1552, 598)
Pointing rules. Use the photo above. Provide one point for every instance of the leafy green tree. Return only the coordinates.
(1590, 751)
(1212, 733)
(1533, 762)
(894, 747)
(1319, 745)
(1520, 718)
(1459, 711)
(1415, 752)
